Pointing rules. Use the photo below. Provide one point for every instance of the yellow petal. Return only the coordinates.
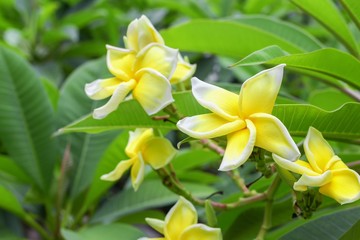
(317, 150)
(306, 181)
(156, 224)
(137, 140)
(158, 152)
(298, 166)
(120, 62)
(209, 125)
(336, 164)
(118, 96)
(216, 99)
(272, 135)
(140, 33)
(157, 57)
(153, 91)
(180, 216)
(201, 231)
(258, 93)
(101, 88)
(119, 170)
(239, 147)
(344, 186)
(137, 172)
(184, 70)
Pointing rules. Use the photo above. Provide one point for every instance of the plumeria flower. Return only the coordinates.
(324, 170)
(142, 148)
(181, 224)
(245, 119)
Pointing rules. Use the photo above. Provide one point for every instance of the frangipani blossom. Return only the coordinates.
(324, 170)
(181, 224)
(245, 119)
(142, 148)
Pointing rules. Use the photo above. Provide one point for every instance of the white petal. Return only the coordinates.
(306, 181)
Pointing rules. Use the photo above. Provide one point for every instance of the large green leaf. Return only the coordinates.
(9, 202)
(229, 37)
(150, 194)
(9, 167)
(328, 15)
(353, 8)
(86, 149)
(26, 119)
(338, 65)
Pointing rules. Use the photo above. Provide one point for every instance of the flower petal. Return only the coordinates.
(209, 125)
(258, 93)
(153, 91)
(120, 62)
(298, 166)
(140, 33)
(201, 231)
(157, 57)
(119, 170)
(180, 216)
(216, 99)
(156, 224)
(137, 172)
(239, 147)
(306, 181)
(137, 139)
(272, 135)
(118, 96)
(317, 150)
(344, 186)
(184, 70)
(158, 152)
(101, 88)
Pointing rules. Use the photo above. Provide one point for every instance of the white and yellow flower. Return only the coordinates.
(324, 170)
(142, 148)
(181, 224)
(245, 119)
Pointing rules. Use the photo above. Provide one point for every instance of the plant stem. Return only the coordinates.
(31, 222)
(239, 181)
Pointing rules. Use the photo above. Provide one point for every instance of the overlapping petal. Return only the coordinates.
(153, 91)
(272, 135)
(201, 231)
(119, 170)
(209, 125)
(184, 70)
(306, 181)
(156, 224)
(344, 186)
(158, 152)
(258, 93)
(137, 139)
(121, 91)
(101, 88)
(239, 147)
(216, 99)
(137, 172)
(120, 62)
(298, 166)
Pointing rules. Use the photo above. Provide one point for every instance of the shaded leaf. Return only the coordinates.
(353, 8)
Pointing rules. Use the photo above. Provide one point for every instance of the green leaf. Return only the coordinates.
(109, 231)
(150, 194)
(26, 119)
(328, 99)
(9, 167)
(9, 202)
(329, 16)
(86, 149)
(338, 65)
(353, 8)
(224, 37)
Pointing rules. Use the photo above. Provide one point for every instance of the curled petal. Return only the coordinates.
(119, 170)
(258, 93)
(118, 96)
(216, 99)
(137, 139)
(158, 152)
(317, 150)
(201, 231)
(157, 57)
(140, 33)
(137, 172)
(272, 135)
(153, 91)
(344, 186)
(239, 147)
(120, 62)
(306, 181)
(181, 216)
(101, 88)
(156, 224)
(299, 166)
(184, 70)
(209, 125)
